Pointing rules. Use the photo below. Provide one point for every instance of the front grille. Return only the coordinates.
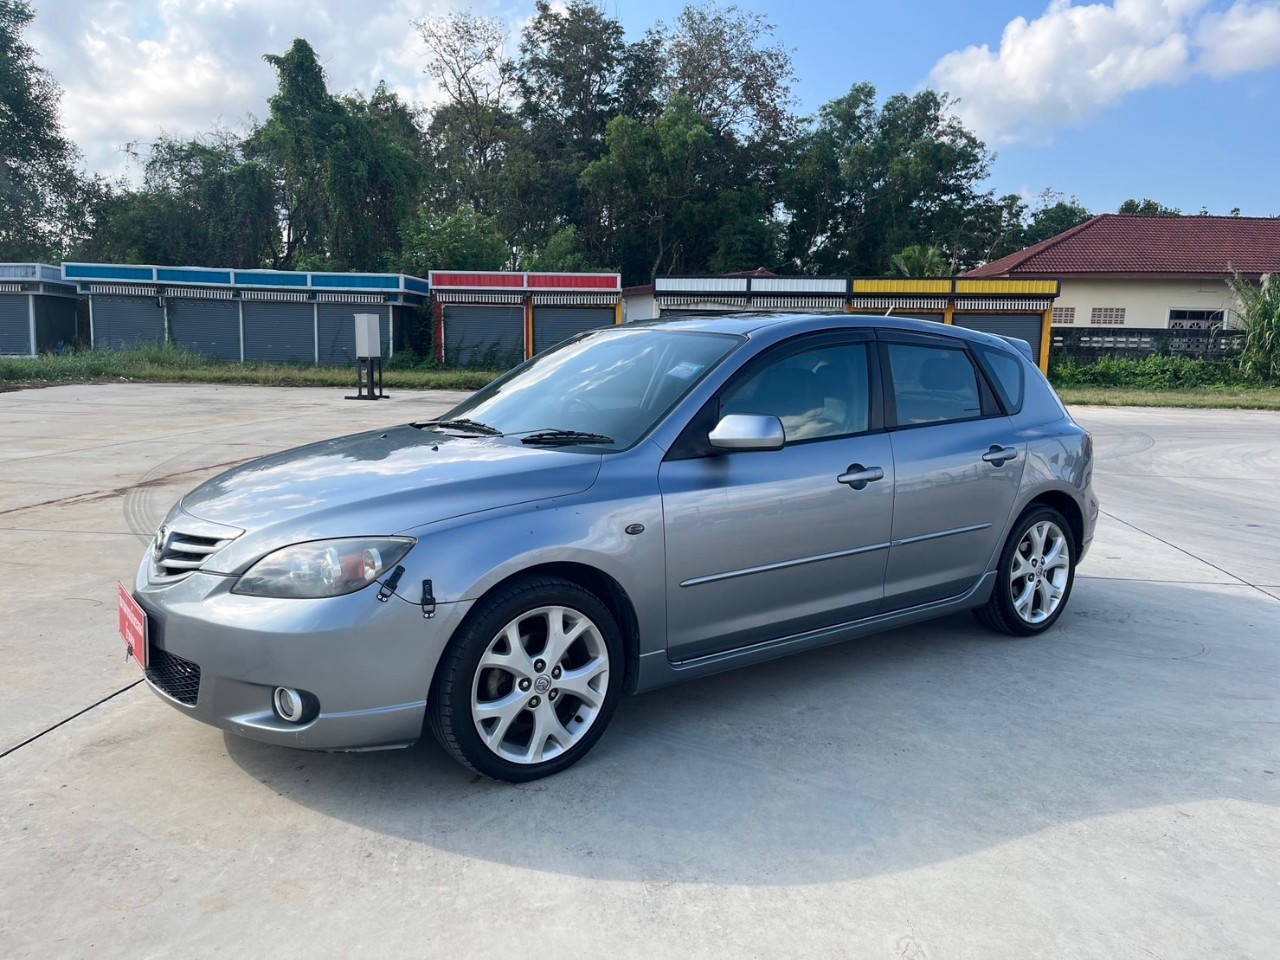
(177, 554)
(176, 677)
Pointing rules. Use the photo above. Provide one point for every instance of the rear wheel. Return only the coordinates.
(1036, 572)
(528, 685)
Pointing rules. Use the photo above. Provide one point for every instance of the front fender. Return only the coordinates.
(466, 557)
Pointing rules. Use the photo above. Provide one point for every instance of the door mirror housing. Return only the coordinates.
(747, 431)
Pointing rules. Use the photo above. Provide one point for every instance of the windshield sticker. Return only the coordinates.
(685, 370)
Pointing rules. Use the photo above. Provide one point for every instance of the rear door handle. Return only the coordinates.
(999, 455)
(859, 476)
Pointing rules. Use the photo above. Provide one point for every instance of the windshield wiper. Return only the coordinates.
(549, 438)
(471, 426)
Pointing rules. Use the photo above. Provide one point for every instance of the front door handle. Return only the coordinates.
(859, 476)
(999, 455)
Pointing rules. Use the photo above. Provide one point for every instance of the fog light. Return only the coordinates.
(288, 704)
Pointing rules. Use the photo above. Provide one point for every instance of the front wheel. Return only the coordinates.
(528, 685)
(1036, 572)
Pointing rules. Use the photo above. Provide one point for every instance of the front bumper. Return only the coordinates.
(369, 664)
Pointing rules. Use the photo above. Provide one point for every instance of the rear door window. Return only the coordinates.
(933, 384)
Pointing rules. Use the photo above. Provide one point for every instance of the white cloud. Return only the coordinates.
(1073, 61)
(1239, 40)
(133, 68)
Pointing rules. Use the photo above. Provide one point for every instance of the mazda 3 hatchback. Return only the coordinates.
(640, 505)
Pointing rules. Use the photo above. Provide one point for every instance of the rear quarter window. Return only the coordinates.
(1008, 374)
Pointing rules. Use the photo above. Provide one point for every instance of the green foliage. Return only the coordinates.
(169, 364)
(346, 170)
(463, 240)
(202, 203)
(1054, 216)
(921, 261)
(1260, 314)
(563, 252)
(1150, 373)
(41, 196)
(871, 179)
(1147, 208)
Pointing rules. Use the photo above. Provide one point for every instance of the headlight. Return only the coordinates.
(323, 568)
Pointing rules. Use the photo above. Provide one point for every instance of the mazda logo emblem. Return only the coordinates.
(542, 684)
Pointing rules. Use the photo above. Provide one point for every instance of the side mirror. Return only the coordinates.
(747, 431)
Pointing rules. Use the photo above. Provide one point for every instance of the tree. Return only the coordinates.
(921, 261)
(1055, 215)
(869, 180)
(644, 184)
(563, 252)
(347, 170)
(201, 202)
(41, 195)
(462, 240)
(722, 61)
(1147, 208)
(470, 132)
(292, 142)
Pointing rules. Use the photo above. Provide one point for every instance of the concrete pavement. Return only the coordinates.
(1109, 790)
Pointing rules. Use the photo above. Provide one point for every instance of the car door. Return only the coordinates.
(958, 465)
(766, 544)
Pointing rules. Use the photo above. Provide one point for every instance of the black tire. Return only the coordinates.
(449, 704)
(999, 612)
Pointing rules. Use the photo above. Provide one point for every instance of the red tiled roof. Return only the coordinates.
(1151, 246)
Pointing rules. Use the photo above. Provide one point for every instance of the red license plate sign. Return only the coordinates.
(133, 626)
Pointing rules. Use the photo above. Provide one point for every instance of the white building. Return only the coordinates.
(1147, 272)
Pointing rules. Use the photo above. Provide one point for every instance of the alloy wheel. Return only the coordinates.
(1039, 571)
(540, 684)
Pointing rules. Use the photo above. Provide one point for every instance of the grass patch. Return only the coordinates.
(1207, 398)
(165, 364)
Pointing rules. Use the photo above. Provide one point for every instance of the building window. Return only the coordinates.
(1194, 319)
(1108, 315)
(1064, 314)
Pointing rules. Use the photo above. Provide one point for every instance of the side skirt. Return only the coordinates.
(656, 670)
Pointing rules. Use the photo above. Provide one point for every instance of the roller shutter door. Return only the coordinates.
(15, 325)
(121, 323)
(484, 336)
(279, 332)
(1022, 326)
(209, 327)
(338, 330)
(553, 324)
(55, 322)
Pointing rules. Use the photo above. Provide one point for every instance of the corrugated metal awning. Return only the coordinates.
(485, 297)
(350, 298)
(905, 303)
(1004, 303)
(273, 295)
(123, 290)
(792, 303)
(198, 293)
(577, 299)
(667, 300)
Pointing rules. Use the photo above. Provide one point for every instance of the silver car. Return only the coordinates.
(640, 505)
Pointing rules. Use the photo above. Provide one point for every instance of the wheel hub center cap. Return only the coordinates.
(542, 684)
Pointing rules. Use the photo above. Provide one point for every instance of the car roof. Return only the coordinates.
(781, 325)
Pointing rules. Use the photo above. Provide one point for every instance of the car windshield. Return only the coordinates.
(607, 388)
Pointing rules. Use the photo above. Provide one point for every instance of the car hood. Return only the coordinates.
(377, 483)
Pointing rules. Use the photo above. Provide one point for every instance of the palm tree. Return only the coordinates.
(921, 261)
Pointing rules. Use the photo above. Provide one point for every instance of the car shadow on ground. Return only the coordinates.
(871, 756)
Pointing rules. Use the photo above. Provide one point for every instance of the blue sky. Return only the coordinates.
(1171, 99)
